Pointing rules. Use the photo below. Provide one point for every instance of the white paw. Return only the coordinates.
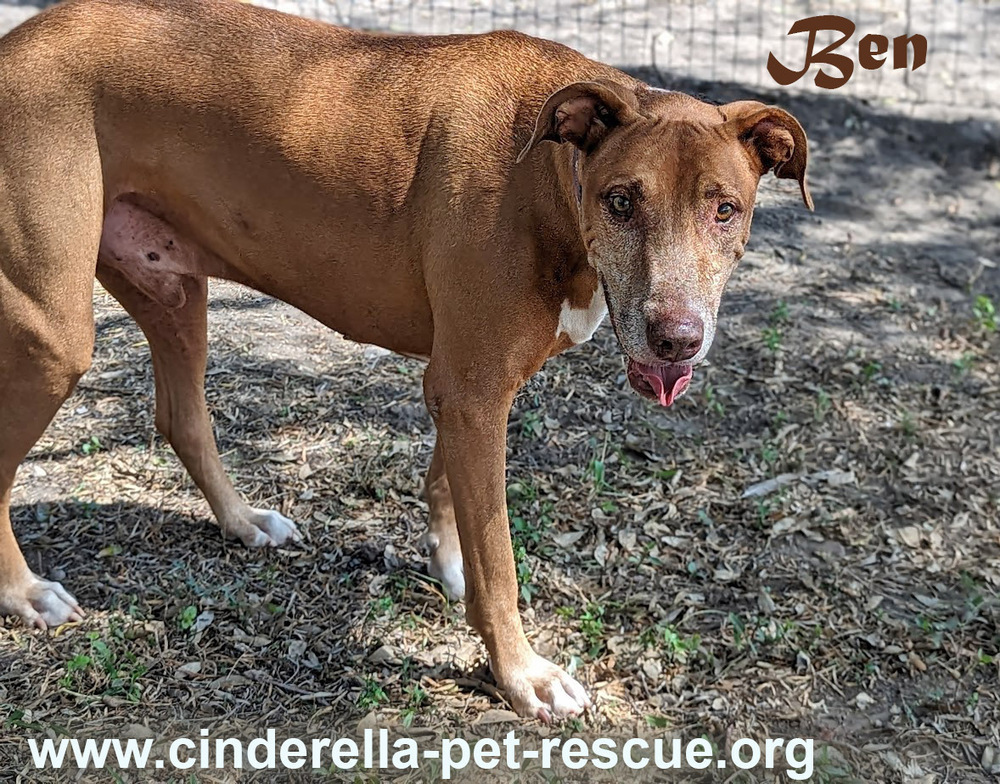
(541, 690)
(277, 528)
(445, 566)
(40, 603)
(267, 529)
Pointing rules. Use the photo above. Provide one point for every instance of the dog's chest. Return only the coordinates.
(580, 324)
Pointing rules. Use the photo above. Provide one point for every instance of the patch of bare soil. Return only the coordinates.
(807, 544)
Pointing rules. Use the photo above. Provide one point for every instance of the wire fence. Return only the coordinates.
(723, 40)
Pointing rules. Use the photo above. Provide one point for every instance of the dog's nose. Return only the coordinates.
(675, 338)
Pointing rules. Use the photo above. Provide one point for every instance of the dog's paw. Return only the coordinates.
(40, 603)
(270, 529)
(541, 690)
(445, 566)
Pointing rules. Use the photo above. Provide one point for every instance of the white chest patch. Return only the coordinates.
(580, 324)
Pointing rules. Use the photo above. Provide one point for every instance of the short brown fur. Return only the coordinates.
(375, 183)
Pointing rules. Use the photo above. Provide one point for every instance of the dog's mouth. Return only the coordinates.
(662, 383)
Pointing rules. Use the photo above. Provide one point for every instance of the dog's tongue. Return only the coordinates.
(667, 381)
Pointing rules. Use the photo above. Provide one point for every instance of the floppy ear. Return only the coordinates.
(582, 113)
(774, 138)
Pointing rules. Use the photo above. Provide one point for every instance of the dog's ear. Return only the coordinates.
(582, 113)
(774, 138)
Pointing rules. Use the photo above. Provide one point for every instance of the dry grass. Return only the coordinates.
(807, 544)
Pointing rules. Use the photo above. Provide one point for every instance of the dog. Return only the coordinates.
(478, 201)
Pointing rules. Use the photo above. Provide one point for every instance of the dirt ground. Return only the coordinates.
(807, 544)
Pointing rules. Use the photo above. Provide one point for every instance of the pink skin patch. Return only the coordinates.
(662, 383)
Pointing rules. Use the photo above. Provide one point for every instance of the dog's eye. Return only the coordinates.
(620, 204)
(725, 212)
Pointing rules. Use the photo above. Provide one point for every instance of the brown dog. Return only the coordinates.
(400, 190)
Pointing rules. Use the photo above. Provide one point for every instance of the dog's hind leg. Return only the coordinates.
(37, 373)
(39, 366)
(441, 539)
(48, 248)
(176, 327)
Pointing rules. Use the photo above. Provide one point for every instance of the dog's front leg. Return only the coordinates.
(470, 406)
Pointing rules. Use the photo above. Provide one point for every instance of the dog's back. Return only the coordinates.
(369, 114)
(142, 53)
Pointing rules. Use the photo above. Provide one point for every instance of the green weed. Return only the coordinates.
(985, 313)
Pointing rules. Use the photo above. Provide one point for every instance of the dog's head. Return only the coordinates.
(666, 186)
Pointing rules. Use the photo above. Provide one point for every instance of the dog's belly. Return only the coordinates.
(155, 255)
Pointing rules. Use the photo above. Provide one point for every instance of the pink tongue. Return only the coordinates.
(667, 381)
